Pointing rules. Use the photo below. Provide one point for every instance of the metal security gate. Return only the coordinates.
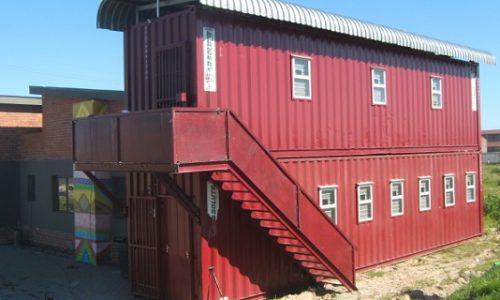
(161, 241)
(170, 70)
(144, 236)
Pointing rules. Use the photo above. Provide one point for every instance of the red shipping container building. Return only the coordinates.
(270, 145)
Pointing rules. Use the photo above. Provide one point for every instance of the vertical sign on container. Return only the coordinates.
(209, 60)
(473, 90)
(212, 200)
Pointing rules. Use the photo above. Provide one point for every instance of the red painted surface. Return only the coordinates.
(144, 76)
(350, 139)
(176, 238)
(388, 238)
(247, 262)
(254, 80)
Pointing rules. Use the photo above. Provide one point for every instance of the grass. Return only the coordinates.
(491, 186)
(375, 274)
(485, 287)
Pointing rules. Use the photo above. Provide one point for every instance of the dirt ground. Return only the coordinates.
(432, 276)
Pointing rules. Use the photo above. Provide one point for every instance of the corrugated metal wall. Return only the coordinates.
(387, 238)
(254, 80)
(246, 260)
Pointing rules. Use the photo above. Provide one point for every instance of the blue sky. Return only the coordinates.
(56, 43)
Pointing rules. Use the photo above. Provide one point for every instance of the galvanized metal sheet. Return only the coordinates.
(116, 15)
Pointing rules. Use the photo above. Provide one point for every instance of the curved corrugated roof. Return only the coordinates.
(116, 14)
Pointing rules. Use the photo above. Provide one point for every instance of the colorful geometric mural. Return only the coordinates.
(89, 108)
(93, 213)
(93, 210)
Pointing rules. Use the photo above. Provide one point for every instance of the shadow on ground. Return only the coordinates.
(37, 273)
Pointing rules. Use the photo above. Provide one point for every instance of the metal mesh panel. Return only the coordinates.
(143, 237)
(171, 71)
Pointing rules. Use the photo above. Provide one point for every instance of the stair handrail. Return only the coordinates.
(231, 114)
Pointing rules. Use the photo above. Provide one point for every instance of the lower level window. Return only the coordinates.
(449, 190)
(63, 194)
(328, 201)
(397, 198)
(424, 188)
(470, 179)
(365, 202)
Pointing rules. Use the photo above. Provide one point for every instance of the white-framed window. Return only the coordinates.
(436, 93)
(397, 197)
(379, 95)
(365, 202)
(424, 193)
(328, 201)
(301, 77)
(473, 91)
(449, 190)
(470, 186)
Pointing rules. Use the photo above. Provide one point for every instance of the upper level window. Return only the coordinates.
(449, 190)
(397, 198)
(473, 91)
(437, 96)
(365, 202)
(470, 181)
(301, 77)
(378, 87)
(424, 187)
(63, 193)
(328, 201)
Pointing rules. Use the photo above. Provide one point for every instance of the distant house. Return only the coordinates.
(490, 145)
(36, 166)
(492, 138)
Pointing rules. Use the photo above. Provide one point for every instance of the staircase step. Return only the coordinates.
(305, 258)
(321, 273)
(297, 250)
(224, 176)
(272, 224)
(234, 187)
(243, 196)
(315, 266)
(289, 241)
(257, 206)
(280, 233)
(262, 215)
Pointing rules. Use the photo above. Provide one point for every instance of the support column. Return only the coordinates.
(93, 210)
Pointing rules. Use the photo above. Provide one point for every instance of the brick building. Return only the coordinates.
(492, 138)
(18, 116)
(36, 163)
(490, 146)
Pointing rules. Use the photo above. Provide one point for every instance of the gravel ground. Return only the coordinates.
(36, 273)
(432, 276)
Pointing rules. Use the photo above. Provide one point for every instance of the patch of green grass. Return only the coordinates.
(491, 186)
(375, 274)
(486, 287)
(448, 280)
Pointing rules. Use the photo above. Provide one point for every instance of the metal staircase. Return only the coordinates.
(284, 234)
(188, 140)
